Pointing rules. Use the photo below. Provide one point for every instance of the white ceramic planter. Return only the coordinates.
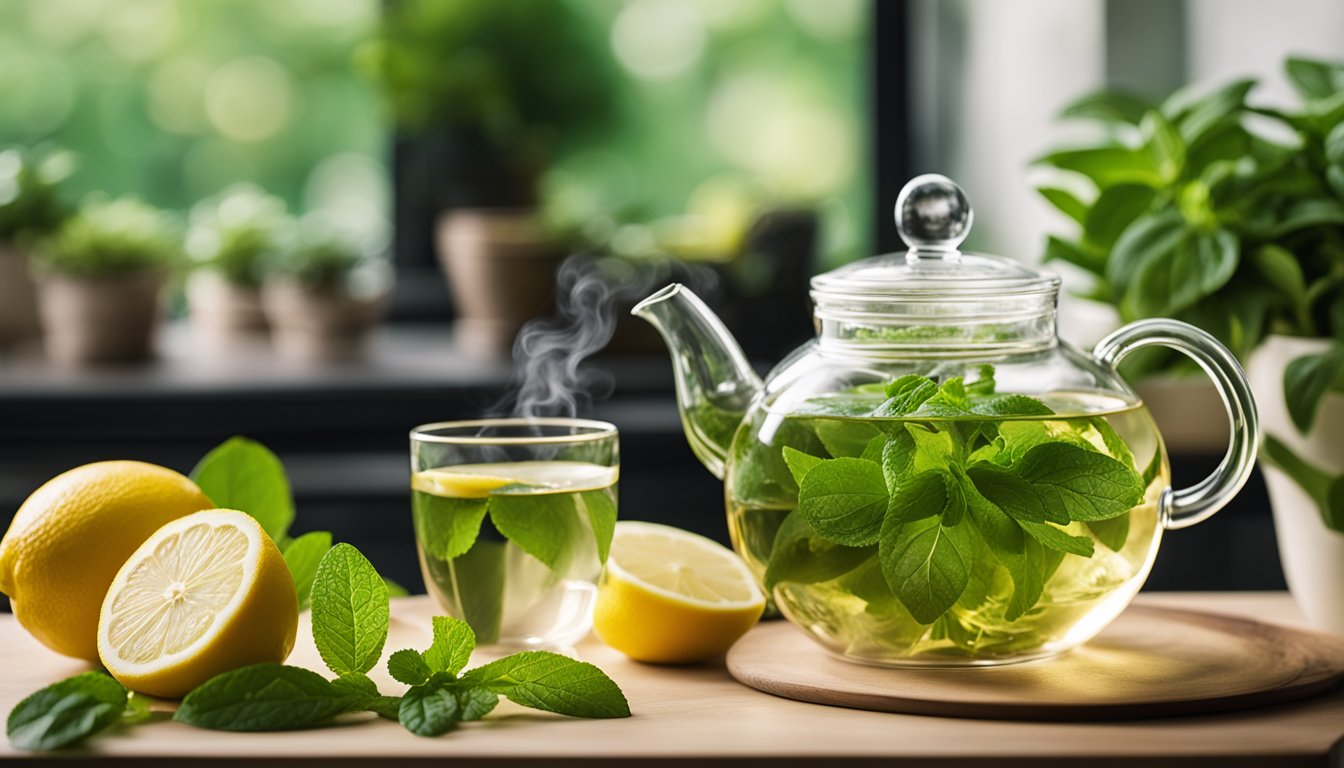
(1312, 554)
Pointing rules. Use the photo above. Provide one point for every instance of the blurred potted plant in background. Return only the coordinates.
(323, 293)
(1192, 214)
(99, 276)
(487, 94)
(29, 208)
(228, 238)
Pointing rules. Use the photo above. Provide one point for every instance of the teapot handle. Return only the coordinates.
(1187, 506)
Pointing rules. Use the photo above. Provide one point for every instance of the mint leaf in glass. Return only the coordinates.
(1058, 539)
(926, 564)
(447, 526)
(544, 525)
(243, 474)
(1077, 484)
(844, 500)
(905, 395)
(601, 511)
(801, 556)
(66, 712)
(799, 463)
(350, 611)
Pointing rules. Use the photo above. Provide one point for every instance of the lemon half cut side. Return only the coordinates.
(673, 597)
(205, 594)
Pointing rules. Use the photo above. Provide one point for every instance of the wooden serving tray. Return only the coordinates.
(1151, 662)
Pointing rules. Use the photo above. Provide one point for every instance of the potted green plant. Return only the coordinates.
(99, 276)
(484, 95)
(29, 208)
(228, 238)
(1191, 209)
(323, 293)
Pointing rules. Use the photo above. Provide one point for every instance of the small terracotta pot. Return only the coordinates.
(18, 298)
(99, 320)
(501, 272)
(223, 311)
(315, 325)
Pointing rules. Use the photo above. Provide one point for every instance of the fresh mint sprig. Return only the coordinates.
(70, 711)
(963, 470)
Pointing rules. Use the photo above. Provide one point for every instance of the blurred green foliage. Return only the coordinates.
(316, 254)
(236, 231)
(111, 237)
(29, 204)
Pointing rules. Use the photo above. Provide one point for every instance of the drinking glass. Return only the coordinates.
(513, 519)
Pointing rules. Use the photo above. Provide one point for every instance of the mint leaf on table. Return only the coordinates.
(475, 703)
(243, 474)
(429, 710)
(409, 667)
(265, 697)
(799, 555)
(555, 683)
(445, 526)
(1306, 380)
(844, 500)
(350, 611)
(303, 555)
(453, 643)
(67, 712)
(926, 564)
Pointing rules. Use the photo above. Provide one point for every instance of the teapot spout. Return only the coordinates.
(715, 383)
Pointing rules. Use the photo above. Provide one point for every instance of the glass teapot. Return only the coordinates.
(937, 478)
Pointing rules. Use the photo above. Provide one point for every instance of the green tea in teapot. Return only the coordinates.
(927, 520)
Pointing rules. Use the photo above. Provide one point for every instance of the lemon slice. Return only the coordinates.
(204, 594)
(457, 485)
(671, 596)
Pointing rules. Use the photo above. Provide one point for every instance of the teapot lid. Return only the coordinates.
(934, 299)
(933, 217)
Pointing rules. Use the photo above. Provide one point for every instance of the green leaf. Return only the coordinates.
(801, 556)
(350, 611)
(799, 463)
(475, 703)
(394, 589)
(1011, 405)
(1280, 269)
(1325, 490)
(1334, 146)
(932, 493)
(1195, 116)
(951, 400)
(429, 710)
(600, 507)
(844, 500)
(1057, 539)
(1115, 209)
(409, 667)
(264, 697)
(66, 712)
(386, 707)
(1305, 213)
(1066, 202)
(1028, 572)
(303, 555)
(447, 527)
(1113, 532)
(1164, 146)
(999, 530)
(551, 682)
(898, 458)
(1110, 106)
(905, 395)
(1011, 494)
(1115, 444)
(844, 438)
(453, 643)
(1150, 237)
(1108, 166)
(1307, 379)
(1079, 484)
(1057, 249)
(1312, 79)
(1200, 264)
(926, 564)
(243, 474)
(544, 525)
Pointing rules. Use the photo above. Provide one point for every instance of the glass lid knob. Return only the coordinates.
(933, 215)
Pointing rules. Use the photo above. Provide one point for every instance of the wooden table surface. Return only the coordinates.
(699, 715)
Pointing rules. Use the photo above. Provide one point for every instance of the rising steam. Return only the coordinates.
(548, 353)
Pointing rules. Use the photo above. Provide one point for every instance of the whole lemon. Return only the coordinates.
(70, 537)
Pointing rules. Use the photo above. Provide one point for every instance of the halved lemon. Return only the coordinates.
(673, 597)
(205, 594)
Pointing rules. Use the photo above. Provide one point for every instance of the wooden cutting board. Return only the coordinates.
(1151, 662)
